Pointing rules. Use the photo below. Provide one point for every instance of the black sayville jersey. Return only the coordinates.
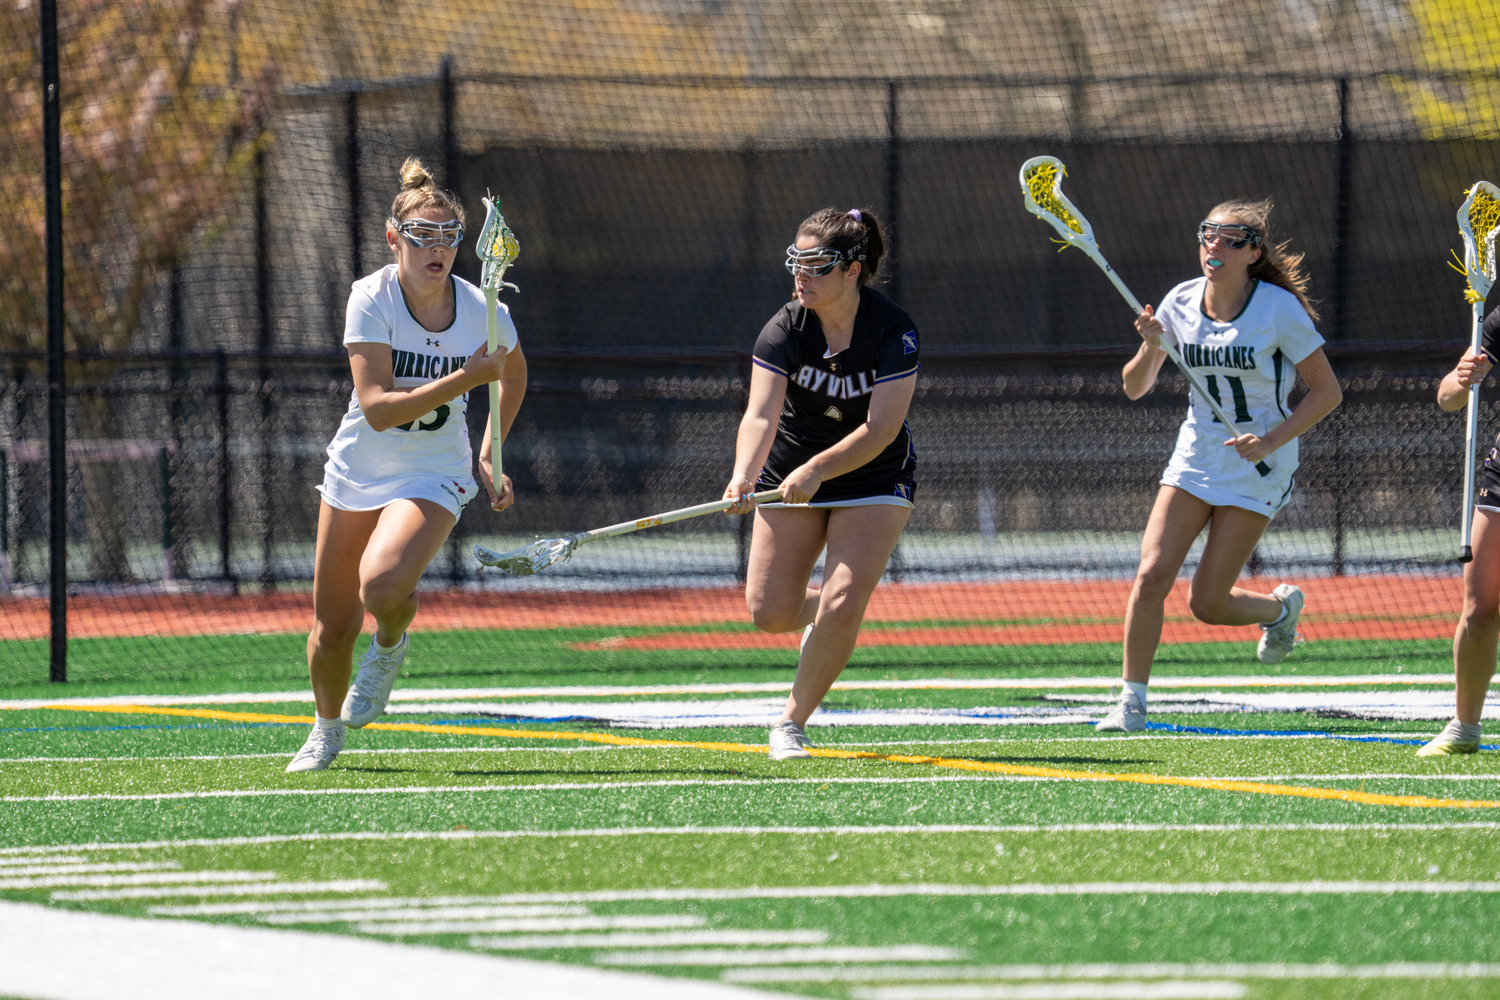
(828, 397)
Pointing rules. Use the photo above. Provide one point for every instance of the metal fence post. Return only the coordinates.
(892, 184)
(57, 414)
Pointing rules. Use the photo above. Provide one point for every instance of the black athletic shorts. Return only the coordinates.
(1487, 491)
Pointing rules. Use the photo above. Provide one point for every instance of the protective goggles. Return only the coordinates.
(1231, 234)
(425, 235)
(818, 261)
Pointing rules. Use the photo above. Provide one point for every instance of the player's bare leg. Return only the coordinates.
(409, 534)
(1475, 639)
(1176, 520)
(338, 615)
(1233, 534)
(860, 542)
(784, 547)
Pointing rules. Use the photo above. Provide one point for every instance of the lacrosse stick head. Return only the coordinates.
(1041, 181)
(497, 247)
(1479, 223)
(528, 559)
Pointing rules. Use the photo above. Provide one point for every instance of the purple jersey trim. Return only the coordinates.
(891, 378)
(768, 365)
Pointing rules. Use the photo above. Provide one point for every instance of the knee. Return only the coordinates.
(382, 595)
(1479, 621)
(840, 608)
(1207, 608)
(773, 620)
(1154, 581)
(330, 637)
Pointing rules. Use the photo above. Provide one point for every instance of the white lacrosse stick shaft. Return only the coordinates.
(1083, 239)
(497, 249)
(1479, 268)
(491, 306)
(718, 506)
(1471, 445)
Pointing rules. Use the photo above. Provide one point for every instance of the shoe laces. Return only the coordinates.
(367, 682)
(321, 739)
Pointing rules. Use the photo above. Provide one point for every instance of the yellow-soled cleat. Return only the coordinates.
(1452, 740)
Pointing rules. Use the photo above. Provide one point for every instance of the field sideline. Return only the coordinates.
(610, 813)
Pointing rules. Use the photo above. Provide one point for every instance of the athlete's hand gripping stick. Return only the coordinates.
(1041, 181)
(1478, 224)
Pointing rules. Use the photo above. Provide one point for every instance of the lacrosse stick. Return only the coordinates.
(543, 552)
(1041, 180)
(1478, 223)
(498, 249)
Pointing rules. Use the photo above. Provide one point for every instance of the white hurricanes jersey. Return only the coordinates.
(367, 468)
(1249, 365)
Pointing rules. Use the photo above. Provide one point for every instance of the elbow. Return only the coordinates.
(884, 432)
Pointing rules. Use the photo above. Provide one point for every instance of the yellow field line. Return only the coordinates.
(959, 764)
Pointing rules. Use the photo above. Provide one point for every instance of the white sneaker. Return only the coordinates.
(372, 686)
(1128, 716)
(1452, 740)
(788, 741)
(1278, 640)
(318, 752)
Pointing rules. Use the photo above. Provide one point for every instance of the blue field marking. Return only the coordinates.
(113, 729)
(1171, 727)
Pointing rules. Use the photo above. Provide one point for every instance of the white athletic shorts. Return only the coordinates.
(451, 495)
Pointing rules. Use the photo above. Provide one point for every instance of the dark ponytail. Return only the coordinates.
(844, 230)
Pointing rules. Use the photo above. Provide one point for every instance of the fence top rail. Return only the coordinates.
(1393, 351)
(922, 80)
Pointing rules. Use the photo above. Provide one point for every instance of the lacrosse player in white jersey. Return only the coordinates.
(399, 469)
(1246, 326)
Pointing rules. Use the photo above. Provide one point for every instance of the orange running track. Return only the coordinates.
(1035, 611)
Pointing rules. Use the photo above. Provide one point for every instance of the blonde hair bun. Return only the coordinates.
(414, 175)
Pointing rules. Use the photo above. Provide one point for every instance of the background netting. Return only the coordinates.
(227, 170)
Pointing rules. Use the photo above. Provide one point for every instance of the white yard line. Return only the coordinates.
(316, 906)
(702, 831)
(1114, 970)
(78, 869)
(1184, 989)
(354, 913)
(567, 786)
(715, 956)
(877, 891)
(614, 691)
(67, 955)
(538, 925)
(228, 889)
(659, 939)
(137, 878)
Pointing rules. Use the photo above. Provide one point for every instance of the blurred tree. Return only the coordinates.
(161, 120)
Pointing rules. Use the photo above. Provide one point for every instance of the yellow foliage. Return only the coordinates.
(1455, 36)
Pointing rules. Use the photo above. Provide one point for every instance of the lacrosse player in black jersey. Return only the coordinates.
(833, 376)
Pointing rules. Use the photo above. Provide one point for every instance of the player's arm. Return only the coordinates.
(1453, 391)
(757, 433)
(384, 406)
(1323, 396)
(888, 405)
(1140, 371)
(512, 391)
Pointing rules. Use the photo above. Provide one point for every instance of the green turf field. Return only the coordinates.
(1212, 856)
